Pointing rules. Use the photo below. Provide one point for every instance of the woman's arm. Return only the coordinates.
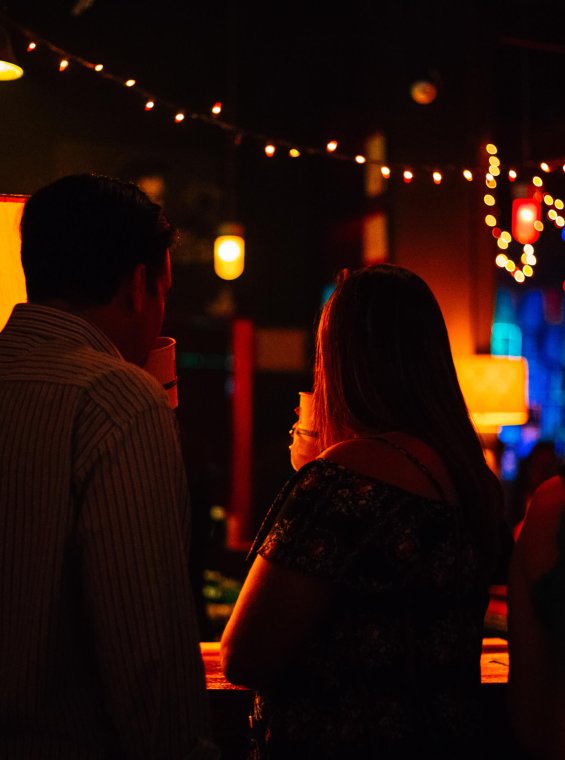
(532, 689)
(276, 611)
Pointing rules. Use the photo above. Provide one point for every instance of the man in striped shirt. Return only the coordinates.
(99, 651)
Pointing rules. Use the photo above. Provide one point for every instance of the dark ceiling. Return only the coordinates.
(301, 71)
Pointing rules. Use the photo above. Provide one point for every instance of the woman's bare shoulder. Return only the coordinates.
(537, 540)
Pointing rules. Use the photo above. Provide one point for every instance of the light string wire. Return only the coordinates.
(270, 144)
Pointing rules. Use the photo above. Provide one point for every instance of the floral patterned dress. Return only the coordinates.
(394, 668)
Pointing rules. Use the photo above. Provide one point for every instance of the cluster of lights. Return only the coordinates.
(524, 268)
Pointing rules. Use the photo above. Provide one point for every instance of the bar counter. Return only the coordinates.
(230, 704)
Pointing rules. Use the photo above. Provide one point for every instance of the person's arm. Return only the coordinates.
(277, 609)
(132, 544)
(531, 686)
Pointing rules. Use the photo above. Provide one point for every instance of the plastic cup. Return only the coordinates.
(161, 363)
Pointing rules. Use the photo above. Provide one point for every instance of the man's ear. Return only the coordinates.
(138, 287)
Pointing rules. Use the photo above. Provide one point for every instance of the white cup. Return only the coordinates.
(304, 447)
(161, 364)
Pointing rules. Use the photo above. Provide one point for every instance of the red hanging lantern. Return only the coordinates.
(525, 213)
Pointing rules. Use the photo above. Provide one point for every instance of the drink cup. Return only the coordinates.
(304, 447)
(161, 363)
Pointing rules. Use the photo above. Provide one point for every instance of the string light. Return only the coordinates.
(330, 148)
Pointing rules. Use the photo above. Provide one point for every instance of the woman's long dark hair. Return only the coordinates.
(383, 363)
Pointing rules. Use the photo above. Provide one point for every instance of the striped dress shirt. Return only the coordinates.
(99, 649)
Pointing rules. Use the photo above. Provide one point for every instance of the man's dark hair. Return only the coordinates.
(83, 234)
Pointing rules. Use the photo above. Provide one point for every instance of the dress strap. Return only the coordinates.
(413, 458)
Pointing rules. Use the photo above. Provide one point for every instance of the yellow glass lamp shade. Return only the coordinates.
(495, 389)
(229, 252)
(9, 68)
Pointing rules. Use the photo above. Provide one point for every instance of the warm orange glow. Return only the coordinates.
(519, 275)
(294, 153)
(331, 146)
(385, 171)
(490, 220)
(179, 117)
(217, 108)
(489, 200)
(229, 252)
(501, 260)
(437, 177)
(32, 46)
(63, 65)
(408, 176)
(130, 82)
(544, 167)
(12, 281)
(149, 105)
(270, 150)
(537, 181)
(492, 149)
(495, 389)
(512, 175)
(360, 159)
(98, 67)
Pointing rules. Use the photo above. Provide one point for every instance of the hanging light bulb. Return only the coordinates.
(229, 251)
(9, 67)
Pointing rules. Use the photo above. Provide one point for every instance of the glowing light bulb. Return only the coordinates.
(492, 149)
(512, 175)
(510, 266)
(501, 260)
(331, 146)
(519, 276)
(502, 244)
(527, 270)
(385, 171)
(63, 65)
(490, 220)
(559, 203)
(294, 153)
(538, 181)
(408, 176)
(360, 159)
(437, 178)
(544, 167)
(149, 105)
(217, 108)
(548, 200)
(468, 175)
(489, 200)
(99, 67)
(270, 150)
(129, 82)
(179, 117)
(31, 47)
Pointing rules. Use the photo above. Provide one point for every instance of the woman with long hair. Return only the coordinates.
(360, 621)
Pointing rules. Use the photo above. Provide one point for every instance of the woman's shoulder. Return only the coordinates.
(537, 543)
(397, 458)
